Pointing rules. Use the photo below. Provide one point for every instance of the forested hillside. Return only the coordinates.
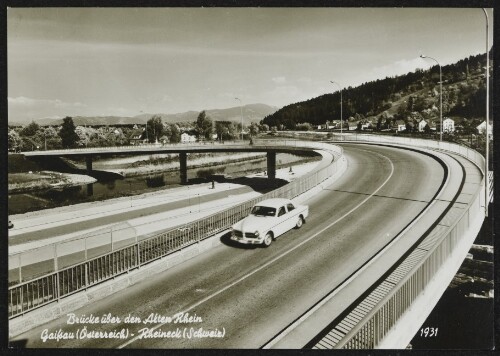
(409, 97)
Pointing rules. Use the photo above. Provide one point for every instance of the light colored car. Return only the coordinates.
(269, 219)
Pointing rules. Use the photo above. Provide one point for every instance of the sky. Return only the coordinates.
(128, 61)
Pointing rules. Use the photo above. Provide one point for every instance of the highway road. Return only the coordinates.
(250, 294)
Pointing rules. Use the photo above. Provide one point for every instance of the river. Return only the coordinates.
(52, 198)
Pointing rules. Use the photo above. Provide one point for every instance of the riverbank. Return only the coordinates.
(35, 181)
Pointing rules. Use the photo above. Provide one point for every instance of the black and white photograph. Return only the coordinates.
(250, 177)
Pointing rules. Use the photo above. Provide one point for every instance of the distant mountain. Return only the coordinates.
(251, 113)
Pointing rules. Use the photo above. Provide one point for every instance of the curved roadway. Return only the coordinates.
(253, 293)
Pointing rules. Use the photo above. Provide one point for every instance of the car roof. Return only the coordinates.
(274, 203)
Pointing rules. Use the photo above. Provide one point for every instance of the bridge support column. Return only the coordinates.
(88, 161)
(271, 165)
(183, 167)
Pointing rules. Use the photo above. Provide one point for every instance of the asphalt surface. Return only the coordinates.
(250, 294)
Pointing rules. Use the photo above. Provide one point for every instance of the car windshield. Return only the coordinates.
(263, 211)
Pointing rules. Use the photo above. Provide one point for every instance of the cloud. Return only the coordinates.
(279, 80)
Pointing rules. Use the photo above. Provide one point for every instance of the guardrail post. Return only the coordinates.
(55, 258)
(58, 287)
(138, 255)
(20, 271)
(86, 276)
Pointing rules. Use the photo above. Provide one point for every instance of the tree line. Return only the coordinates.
(35, 137)
(464, 94)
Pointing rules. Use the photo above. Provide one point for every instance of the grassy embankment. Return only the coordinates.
(27, 176)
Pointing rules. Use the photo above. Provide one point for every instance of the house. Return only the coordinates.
(186, 137)
(481, 128)
(136, 137)
(448, 125)
(421, 125)
(399, 125)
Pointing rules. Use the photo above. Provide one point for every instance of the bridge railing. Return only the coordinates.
(146, 147)
(392, 297)
(39, 276)
(462, 150)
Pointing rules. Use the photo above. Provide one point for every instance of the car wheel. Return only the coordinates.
(300, 221)
(268, 239)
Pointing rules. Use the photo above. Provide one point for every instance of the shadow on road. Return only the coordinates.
(258, 184)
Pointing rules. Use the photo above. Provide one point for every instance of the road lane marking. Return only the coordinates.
(337, 289)
(277, 257)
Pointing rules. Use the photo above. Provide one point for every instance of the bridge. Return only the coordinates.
(337, 283)
(181, 149)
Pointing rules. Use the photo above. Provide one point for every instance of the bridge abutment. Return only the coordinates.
(271, 164)
(183, 167)
(88, 162)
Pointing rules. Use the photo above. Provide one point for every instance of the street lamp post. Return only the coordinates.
(486, 168)
(440, 96)
(241, 115)
(341, 124)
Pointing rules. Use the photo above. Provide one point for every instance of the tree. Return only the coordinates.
(154, 128)
(304, 127)
(67, 133)
(219, 129)
(427, 129)
(264, 127)
(410, 126)
(203, 126)
(254, 129)
(51, 138)
(83, 138)
(175, 134)
(14, 141)
(31, 129)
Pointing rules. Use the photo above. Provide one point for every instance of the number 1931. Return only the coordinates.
(428, 332)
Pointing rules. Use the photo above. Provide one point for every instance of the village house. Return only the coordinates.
(399, 125)
(481, 128)
(448, 125)
(136, 137)
(186, 138)
(421, 125)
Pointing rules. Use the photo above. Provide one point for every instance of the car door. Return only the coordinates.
(281, 218)
(291, 212)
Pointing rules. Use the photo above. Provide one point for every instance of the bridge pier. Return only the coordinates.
(271, 165)
(88, 161)
(183, 167)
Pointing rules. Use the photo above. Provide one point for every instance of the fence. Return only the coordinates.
(77, 271)
(370, 321)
